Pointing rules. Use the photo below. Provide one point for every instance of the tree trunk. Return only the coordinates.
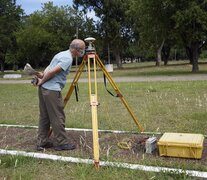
(159, 54)
(109, 58)
(193, 55)
(166, 54)
(165, 62)
(2, 65)
(118, 59)
(189, 54)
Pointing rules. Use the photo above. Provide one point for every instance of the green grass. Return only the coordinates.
(140, 69)
(160, 106)
(178, 106)
(15, 168)
(149, 69)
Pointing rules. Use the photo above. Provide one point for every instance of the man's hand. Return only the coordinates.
(39, 75)
(34, 81)
(48, 75)
(39, 83)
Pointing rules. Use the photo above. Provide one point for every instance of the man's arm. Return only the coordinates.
(41, 74)
(48, 75)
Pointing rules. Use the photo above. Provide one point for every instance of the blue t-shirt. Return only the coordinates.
(64, 60)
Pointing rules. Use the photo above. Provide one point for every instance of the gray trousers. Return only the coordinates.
(51, 114)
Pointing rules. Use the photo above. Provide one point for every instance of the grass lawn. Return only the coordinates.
(160, 106)
(140, 69)
(17, 168)
(179, 106)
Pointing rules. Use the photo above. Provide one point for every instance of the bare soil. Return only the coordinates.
(110, 149)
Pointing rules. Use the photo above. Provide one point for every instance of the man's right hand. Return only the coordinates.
(35, 81)
(39, 75)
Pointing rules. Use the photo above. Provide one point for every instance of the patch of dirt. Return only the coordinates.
(25, 140)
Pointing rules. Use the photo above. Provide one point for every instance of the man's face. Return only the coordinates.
(81, 52)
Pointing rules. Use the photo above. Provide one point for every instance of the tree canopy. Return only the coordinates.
(113, 26)
(46, 32)
(191, 27)
(180, 22)
(144, 29)
(10, 18)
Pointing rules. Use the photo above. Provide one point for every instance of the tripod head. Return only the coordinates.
(91, 47)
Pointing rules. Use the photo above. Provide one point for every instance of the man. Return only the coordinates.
(50, 100)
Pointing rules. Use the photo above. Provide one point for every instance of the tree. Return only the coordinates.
(33, 45)
(153, 24)
(112, 27)
(10, 16)
(191, 27)
(182, 22)
(46, 32)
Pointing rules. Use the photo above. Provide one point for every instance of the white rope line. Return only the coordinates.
(199, 174)
(82, 129)
(102, 163)
(87, 130)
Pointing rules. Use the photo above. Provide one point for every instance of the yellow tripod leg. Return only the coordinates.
(118, 93)
(75, 81)
(94, 104)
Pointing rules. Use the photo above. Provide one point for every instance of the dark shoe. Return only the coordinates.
(64, 147)
(45, 146)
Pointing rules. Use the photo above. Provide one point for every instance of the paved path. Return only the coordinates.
(128, 79)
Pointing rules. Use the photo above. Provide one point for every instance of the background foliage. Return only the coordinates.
(135, 30)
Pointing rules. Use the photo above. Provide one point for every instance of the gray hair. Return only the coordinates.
(74, 46)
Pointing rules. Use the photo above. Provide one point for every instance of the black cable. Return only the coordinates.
(76, 92)
(107, 89)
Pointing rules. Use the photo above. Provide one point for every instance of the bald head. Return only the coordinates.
(77, 43)
(77, 47)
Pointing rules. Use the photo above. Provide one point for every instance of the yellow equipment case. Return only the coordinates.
(181, 145)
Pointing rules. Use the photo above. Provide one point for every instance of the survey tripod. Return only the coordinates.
(91, 58)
